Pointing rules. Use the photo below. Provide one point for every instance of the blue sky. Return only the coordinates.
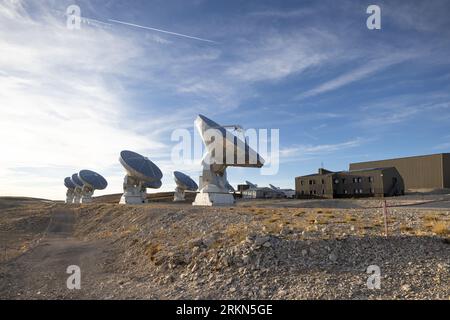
(338, 92)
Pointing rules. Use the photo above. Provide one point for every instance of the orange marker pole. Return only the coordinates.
(385, 218)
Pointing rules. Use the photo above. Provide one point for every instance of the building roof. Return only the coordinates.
(401, 158)
(345, 172)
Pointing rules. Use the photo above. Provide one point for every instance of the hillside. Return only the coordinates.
(173, 251)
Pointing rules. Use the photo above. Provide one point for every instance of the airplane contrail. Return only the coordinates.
(159, 30)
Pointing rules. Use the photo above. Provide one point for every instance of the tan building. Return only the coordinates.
(420, 172)
(377, 182)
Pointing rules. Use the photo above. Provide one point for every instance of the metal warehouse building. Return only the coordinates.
(356, 183)
(419, 172)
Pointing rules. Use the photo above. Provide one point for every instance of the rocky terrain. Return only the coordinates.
(255, 250)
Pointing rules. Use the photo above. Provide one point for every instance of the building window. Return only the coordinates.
(360, 180)
(360, 191)
(354, 180)
(370, 179)
(323, 191)
(343, 180)
(345, 192)
(336, 181)
(301, 182)
(372, 190)
(323, 181)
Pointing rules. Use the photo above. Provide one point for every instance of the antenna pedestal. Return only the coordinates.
(77, 195)
(179, 195)
(70, 195)
(214, 190)
(213, 199)
(133, 192)
(86, 196)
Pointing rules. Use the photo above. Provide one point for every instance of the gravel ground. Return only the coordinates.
(256, 250)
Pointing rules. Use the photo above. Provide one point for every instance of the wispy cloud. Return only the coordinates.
(310, 151)
(278, 56)
(369, 68)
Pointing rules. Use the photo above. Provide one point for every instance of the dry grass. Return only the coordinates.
(407, 229)
(235, 233)
(299, 213)
(152, 249)
(440, 228)
(132, 229)
(349, 218)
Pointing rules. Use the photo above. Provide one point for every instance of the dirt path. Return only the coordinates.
(40, 273)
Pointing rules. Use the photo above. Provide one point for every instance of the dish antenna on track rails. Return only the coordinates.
(184, 183)
(91, 181)
(224, 150)
(141, 174)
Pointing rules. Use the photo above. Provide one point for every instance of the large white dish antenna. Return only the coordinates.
(224, 149)
(141, 174)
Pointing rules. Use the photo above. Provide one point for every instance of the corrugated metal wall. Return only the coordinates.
(446, 165)
(417, 172)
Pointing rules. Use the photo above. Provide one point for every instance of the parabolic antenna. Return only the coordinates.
(76, 180)
(184, 183)
(242, 155)
(91, 181)
(139, 166)
(224, 149)
(141, 174)
(69, 184)
(273, 187)
(153, 185)
(78, 188)
(70, 189)
(230, 187)
(252, 185)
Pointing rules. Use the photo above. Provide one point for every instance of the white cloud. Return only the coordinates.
(308, 152)
(60, 103)
(369, 68)
(280, 55)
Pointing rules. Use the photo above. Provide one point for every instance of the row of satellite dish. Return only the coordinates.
(142, 173)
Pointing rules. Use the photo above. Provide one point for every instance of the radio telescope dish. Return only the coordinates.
(78, 188)
(224, 149)
(230, 188)
(70, 189)
(141, 174)
(251, 185)
(184, 183)
(153, 185)
(91, 181)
